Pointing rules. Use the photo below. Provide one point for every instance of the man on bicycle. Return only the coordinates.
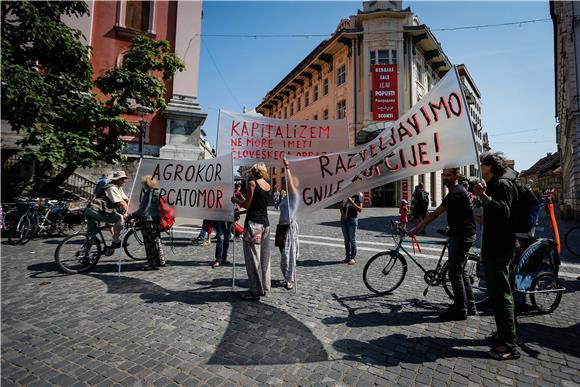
(461, 234)
(110, 207)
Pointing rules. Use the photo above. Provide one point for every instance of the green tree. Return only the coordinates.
(47, 87)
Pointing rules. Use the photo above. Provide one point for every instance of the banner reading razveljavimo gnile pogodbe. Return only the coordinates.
(199, 189)
(250, 138)
(434, 134)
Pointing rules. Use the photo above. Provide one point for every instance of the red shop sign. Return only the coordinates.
(385, 98)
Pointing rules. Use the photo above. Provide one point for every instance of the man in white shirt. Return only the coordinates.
(114, 192)
(109, 206)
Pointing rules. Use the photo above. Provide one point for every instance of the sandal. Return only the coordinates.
(215, 264)
(249, 296)
(289, 286)
(503, 352)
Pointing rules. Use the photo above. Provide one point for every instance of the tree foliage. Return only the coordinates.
(48, 91)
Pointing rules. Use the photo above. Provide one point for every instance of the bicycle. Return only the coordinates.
(80, 252)
(573, 235)
(385, 271)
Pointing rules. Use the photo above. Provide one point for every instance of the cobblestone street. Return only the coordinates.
(184, 325)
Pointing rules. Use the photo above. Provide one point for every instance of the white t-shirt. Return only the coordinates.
(116, 194)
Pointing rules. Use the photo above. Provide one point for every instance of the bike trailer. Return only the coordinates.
(539, 257)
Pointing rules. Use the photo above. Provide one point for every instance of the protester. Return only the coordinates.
(109, 207)
(404, 214)
(287, 232)
(497, 248)
(256, 233)
(223, 231)
(420, 204)
(461, 234)
(204, 237)
(349, 210)
(148, 216)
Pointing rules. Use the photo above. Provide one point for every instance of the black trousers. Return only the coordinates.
(462, 292)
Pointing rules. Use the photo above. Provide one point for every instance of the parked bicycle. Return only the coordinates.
(42, 217)
(80, 252)
(385, 271)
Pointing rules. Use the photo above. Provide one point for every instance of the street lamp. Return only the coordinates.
(142, 110)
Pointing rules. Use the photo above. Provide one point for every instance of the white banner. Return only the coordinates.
(434, 134)
(252, 139)
(199, 189)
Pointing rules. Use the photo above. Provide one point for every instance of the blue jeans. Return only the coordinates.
(349, 226)
(223, 230)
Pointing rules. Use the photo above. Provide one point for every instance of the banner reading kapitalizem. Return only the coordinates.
(252, 139)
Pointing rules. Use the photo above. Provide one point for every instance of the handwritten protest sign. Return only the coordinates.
(252, 139)
(434, 134)
(199, 189)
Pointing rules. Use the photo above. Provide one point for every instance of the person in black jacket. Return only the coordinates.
(497, 248)
(461, 233)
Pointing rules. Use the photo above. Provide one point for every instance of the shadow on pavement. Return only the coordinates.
(257, 333)
(557, 339)
(395, 349)
(315, 262)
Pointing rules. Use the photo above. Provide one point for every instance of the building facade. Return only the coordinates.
(109, 29)
(566, 20)
(335, 80)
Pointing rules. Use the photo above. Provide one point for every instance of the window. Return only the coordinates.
(341, 109)
(315, 117)
(291, 109)
(298, 107)
(285, 112)
(341, 75)
(315, 94)
(306, 98)
(420, 71)
(325, 114)
(138, 15)
(325, 87)
(383, 57)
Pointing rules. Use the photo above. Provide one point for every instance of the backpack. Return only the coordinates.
(425, 198)
(525, 210)
(166, 213)
(100, 186)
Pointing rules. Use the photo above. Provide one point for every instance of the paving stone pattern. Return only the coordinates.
(184, 325)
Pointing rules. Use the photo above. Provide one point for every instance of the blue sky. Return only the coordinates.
(513, 66)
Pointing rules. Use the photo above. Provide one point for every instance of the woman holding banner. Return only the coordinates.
(287, 232)
(256, 232)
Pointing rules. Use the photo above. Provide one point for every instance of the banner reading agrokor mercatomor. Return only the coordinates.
(199, 189)
(252, 139)
(435, 134)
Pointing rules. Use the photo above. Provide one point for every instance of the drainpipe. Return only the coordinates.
(355, 85)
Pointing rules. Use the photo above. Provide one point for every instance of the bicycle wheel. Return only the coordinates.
(384, 272)
(134, 246)
(477, 285)
(573, 237)
(20, 234)
(545, 302)
(77, 253)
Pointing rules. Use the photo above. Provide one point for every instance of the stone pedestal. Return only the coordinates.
(184, 120)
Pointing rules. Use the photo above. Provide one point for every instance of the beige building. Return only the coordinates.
(566, 19)
(334, 81)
